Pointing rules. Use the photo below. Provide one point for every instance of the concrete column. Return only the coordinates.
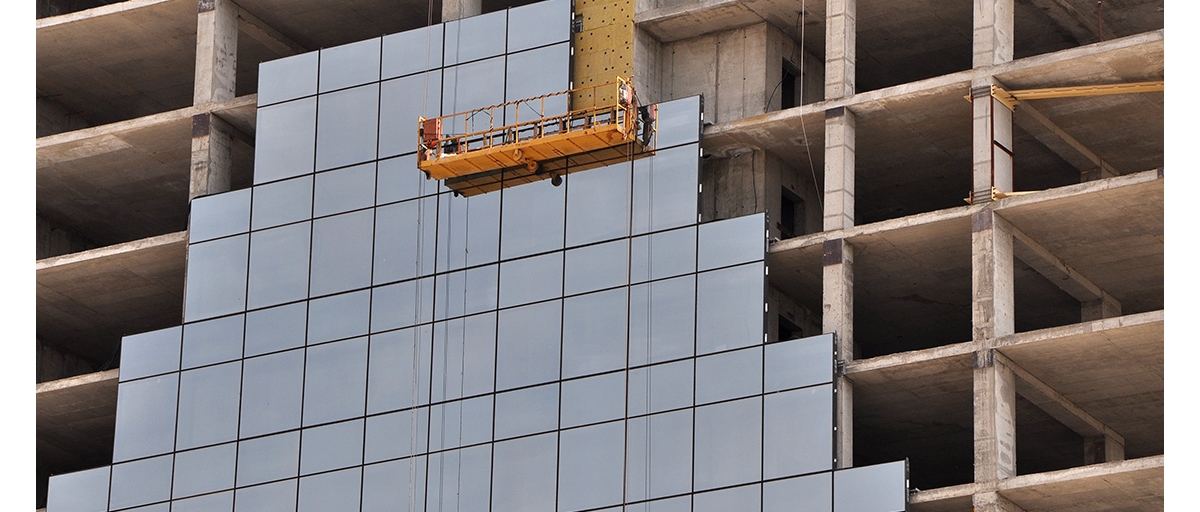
(993, 39)
(991, 130)
(991, 277)
(1104, 307)
(837, 317)
(212, 155)
(1097, 449)
(840, 26)
(459, 9)
(993, 502)
(995, 419)
(216, 51)
(839, 169)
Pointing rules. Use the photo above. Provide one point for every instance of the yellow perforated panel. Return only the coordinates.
(604, 49)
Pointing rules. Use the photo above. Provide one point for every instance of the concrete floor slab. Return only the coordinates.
(1135, 485)
(76, 418)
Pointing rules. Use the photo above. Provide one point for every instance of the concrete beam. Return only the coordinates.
(841, 27)
(1082, 27)
(1061, 408)
(1062, 143)
(995, 403)
(993, 34)
(1058, 272)
(266, 35)
(216, 51)
(212, 155)
(992, 277)
(993, 502)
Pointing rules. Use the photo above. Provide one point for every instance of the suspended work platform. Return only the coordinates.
(557, 136)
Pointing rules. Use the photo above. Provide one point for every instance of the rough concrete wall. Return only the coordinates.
(53, 364)
(733, 186)
(810, 84)
(647, 67)
(54, 117)
(728, 68)
(779, 304)
(53, 240)
(797, 178)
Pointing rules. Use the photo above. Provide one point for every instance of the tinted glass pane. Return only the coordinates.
(150, 353)
(82, 491)
(331, 491)
(728, 443)
(536, 73)
(222, 502)
(401, 102)
(219, 215)
(460, 479)
(208, 405)
(395, 485)
(399, 179)
(527, 345)
(341, 254)
(285, 140)
(661, 316)
(213, 341)
(464, 422)
(278, 265)
(412, 51)
(813, 493)
(590, 466)
(274, 329)
(594, 332)
(661, 387)
(344, 190)
(268, 458)
(140, 482)
(398, 434)
(665, 254)
(401, 305)
(533, 219)
(798, 363)
(598, 204)
(349, 65)
(680, 504)
(597, 266)
(729, 242)
(538, 24)
(347, 126)
(469, 87)
(659, 456)
(523, 473)
(738, 498)
(593, 400)
(405, 234)
(798, 430)
(145, 417)
(335, 381)
(531, 279)
(467, 292)
(527, 411)
(339, 316)
(204, 470)
(282, 202)
(729, 375)
(329, 447)
(878, 488)
(468, 230)
(271, 387)
(275, 497)
(287, 78)
(399, 369)
(729, 308)
(464, 357)
(678, 122)
(475, 37)
(664, 189)
(216, 278)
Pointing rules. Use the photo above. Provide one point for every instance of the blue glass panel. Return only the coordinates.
(335, 381)
(204, 470)
(140, 482)
(213, 341)
(728, 443)
(287, 78)
(286, 140)
(347, 126)
(590, 466)
(282, 202)
(729, 375)
(729, 308)
(732, 241)
(216, 278)
(268, 458)
(395, 485)
(878, 488)
(341, 253)
(399, 369)
(271, 387)
(275, 329)
(349, 65)
(219, 215)
(391, 436)
(81, 491)
(145, 417)
(208, 405)
(343, 190)
(475, 37)
(799, 363)
(812, 493)
(273, 497)
(278, 265)
(798, 431)
(338, 491)
(524, 473)
(402, 304)
(528, 345)
(151, 353)
(412, 51)
(328, 447)
(339, 316)
(539, 24)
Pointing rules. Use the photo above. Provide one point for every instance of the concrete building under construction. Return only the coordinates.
(967, 196)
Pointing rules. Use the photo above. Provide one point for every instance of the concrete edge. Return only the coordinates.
(1064, 331)
(1033, 480)
(1051, 194)
(179, 237)
(79, 380)
(911, 357)
(81, 135)
(944, 493)
(96, 12)
(937, 84)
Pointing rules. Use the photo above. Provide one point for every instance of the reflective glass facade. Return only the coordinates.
(357, 338)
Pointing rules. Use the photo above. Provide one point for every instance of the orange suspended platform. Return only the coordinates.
(545, 147)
